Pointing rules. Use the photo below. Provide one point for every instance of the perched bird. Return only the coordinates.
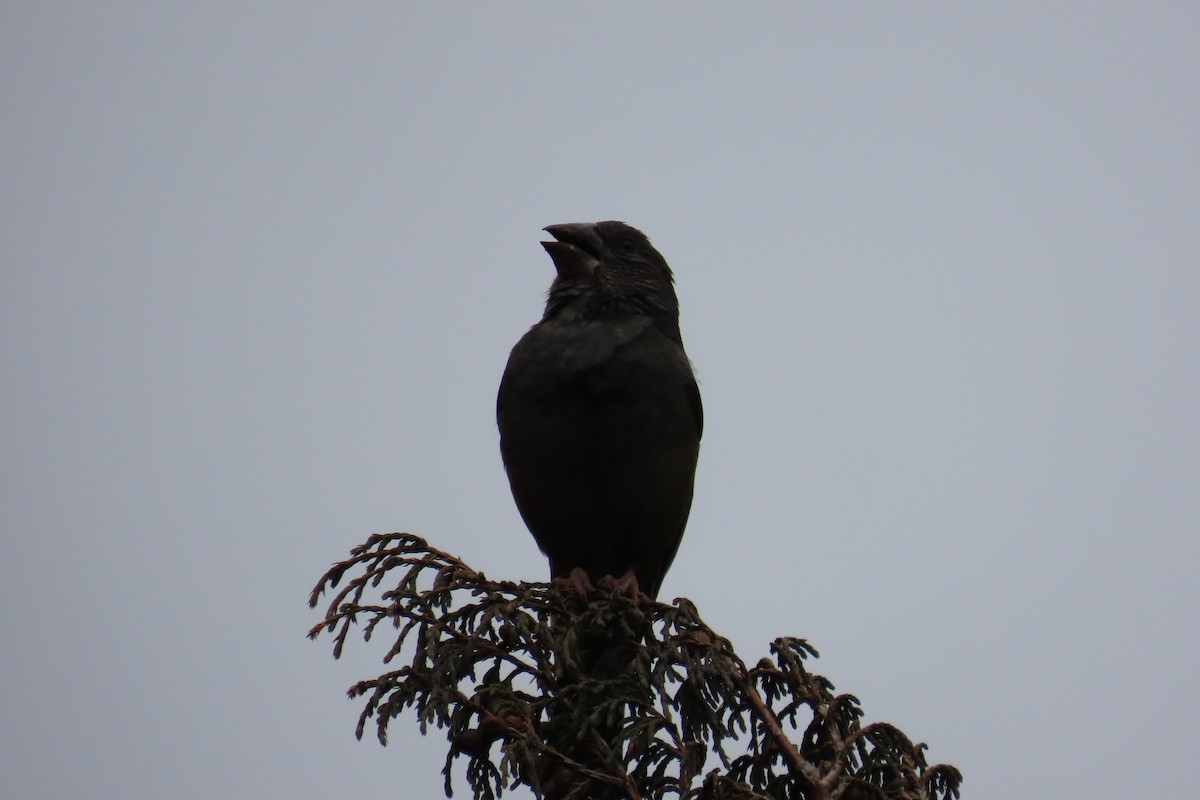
(599, 413)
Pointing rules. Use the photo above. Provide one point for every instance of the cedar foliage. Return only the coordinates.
(516, 664)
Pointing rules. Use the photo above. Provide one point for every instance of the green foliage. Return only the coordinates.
(604, 696)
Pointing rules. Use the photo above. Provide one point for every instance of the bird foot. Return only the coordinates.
(625, 586)
(580, 585)
(577, 583)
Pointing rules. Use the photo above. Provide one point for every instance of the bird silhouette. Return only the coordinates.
(599, 413)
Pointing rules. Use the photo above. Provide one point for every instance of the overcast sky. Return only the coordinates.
(263, 263)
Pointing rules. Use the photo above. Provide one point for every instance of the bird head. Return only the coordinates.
(611, 267)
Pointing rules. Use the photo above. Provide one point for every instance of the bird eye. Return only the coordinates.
(628, 243)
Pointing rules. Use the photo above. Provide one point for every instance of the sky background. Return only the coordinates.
(263, 264)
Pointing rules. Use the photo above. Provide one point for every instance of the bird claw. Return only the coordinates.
(580, 585)
(624, 586)
(577, 583)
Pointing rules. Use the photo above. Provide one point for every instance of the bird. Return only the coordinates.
(599, 413)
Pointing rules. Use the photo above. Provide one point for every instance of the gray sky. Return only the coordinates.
(262, 266)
